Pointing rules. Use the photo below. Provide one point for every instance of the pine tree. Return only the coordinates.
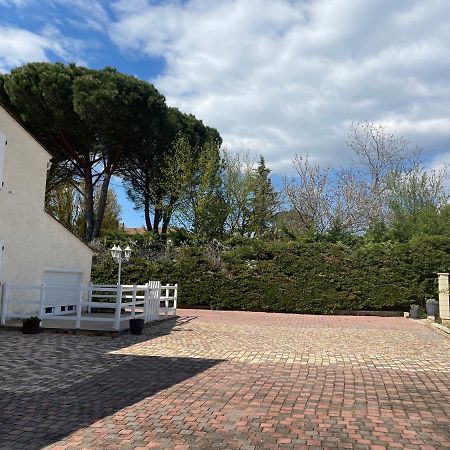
(264, 203)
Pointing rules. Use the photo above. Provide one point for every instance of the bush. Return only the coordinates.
(302, 276)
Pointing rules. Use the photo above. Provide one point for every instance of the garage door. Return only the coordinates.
(61, 298)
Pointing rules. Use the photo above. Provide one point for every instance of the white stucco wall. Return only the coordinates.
(32, 240)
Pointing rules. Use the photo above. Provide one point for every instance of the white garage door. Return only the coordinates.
(61, 298)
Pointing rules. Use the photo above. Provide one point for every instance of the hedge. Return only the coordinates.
(300, 277)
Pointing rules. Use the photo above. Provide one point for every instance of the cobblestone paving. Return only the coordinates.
(230, 380)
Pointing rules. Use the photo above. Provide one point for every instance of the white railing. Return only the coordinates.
(169, 299)
(126, 301)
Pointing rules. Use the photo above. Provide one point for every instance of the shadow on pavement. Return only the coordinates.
(35, 420)
(59, 404)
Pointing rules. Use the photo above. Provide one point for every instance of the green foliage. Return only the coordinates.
(249, 196)
(90, 120)
(238, 187)
(32, 320)
(309, 276)
(65, 203)
(160, 172)
(202, 206)
(418, 204)
(264, 202)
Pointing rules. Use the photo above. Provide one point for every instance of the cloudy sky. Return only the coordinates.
(275, 77)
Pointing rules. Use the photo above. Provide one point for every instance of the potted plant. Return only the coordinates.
(32, 325)
(136, 326)
(432, 306)
(414, 311)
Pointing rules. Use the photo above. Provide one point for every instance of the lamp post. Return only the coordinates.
(116, 253)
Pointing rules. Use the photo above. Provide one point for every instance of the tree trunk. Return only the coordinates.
(168, 215)
(89, 203)
(101, 205)
(157, 220)
(148, 220)
(165, 225)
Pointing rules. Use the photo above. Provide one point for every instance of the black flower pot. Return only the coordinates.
(414, 313)
(31, 327)
(136, 326)
(432, 307)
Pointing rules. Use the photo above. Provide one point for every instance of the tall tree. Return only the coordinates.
(264, 202)
(238, 187)
(309, 195)
(88, 119)
(418, 203)
(365, 187)
(356, 198)
(153, 175)
(202, 204)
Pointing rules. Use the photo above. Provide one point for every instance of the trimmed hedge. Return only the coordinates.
(301, 277)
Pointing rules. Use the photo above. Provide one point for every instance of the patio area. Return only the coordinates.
(101, 308)
(239, 380)
(68, 322)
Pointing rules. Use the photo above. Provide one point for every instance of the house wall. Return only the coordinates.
(32, 240)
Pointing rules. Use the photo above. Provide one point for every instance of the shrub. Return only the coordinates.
(303, 276)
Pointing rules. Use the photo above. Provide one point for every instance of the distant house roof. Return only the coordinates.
(141, 230)
(133, 231)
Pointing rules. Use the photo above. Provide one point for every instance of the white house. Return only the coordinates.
(35, 247)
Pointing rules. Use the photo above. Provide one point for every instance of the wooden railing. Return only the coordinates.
(126, 301)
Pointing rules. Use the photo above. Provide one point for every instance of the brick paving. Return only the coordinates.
(230, 380)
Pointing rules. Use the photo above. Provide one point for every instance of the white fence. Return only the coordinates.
(147, 301)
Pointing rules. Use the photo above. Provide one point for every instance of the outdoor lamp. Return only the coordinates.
(116, 253)
(127, 253)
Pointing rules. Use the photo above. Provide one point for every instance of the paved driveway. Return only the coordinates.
(230, 380)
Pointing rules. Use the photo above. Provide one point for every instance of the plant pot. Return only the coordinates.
(29, 327)
(414, 313)
(432, 307)
(136, 326)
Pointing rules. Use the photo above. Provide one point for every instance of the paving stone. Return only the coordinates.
(213, 379)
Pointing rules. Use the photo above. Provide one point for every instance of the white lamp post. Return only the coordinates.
(116, 253)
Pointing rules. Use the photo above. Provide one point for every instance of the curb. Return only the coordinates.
(442, 328)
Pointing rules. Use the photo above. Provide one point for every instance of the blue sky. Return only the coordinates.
(275, 77)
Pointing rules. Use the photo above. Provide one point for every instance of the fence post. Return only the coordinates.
(79, 306)
(133, 302)
(155, 299)
(118, 307)
(5, 299)
(444, 300)
(146, 303)
(175, 297)
(89, 308)
(41, 301)
(166, 303)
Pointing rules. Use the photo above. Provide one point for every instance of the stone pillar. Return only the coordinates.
(444, 302)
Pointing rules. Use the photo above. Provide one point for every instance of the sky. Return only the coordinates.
(275, 77)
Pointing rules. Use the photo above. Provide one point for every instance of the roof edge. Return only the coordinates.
(25, 129)
(71, 232)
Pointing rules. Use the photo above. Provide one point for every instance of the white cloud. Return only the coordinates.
(17, 3)
(84, 14)
(285, 76)
(19, 46)
(88, 14)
